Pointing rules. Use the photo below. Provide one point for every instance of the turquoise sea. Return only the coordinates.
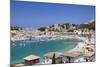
(21, 49)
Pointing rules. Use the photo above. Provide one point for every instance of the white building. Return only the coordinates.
(57, 27)
(81, 31)
(72, 57)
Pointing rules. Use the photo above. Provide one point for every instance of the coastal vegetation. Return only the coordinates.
(16, 28)
(42, 28)
(90, 25)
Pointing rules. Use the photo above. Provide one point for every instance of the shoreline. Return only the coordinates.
(80, 47)
(47, 37)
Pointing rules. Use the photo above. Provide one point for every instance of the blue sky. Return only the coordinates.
(36, 14)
